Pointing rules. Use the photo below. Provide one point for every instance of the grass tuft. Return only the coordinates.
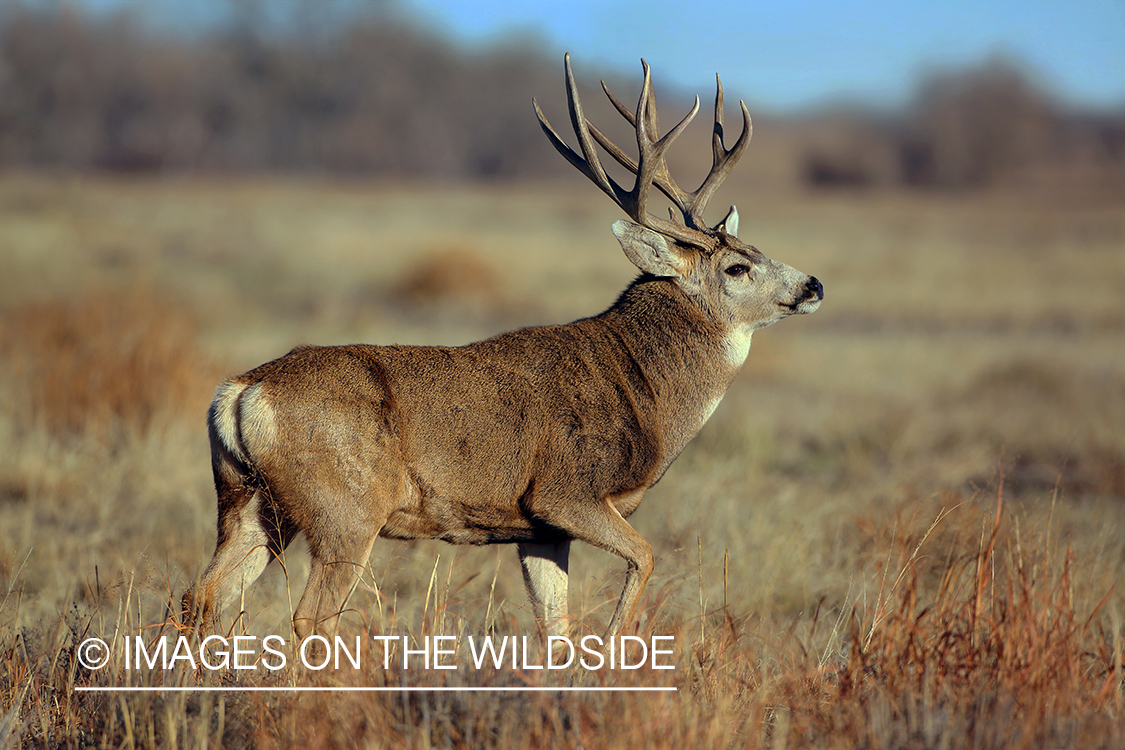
(104, 361)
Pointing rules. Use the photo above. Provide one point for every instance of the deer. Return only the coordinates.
(538, 437)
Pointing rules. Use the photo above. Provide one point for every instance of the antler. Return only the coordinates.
(650, 167)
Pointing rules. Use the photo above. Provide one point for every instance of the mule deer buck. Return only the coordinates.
(538, 436)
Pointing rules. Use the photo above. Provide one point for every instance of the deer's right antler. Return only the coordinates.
(650, 167)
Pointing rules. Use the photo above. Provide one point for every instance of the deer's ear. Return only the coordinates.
(648, 250)
(729, 224)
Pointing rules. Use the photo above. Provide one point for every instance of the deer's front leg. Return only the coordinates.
(545, 576)
(601, 524)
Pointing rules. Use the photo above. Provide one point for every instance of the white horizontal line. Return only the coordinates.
(366, 689)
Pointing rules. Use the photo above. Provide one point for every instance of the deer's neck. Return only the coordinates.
(688, 359)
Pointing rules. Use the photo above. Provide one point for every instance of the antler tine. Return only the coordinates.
(578, 122)
(724, 159)
(690, 204)
(650, 167)
(588, 163)
(662, 178)
(717, 133)
(648, 156)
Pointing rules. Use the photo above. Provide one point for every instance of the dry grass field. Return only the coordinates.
(903, 528)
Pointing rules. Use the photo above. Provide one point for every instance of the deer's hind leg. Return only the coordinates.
(340, 535)
(337, 564)
(251, 533)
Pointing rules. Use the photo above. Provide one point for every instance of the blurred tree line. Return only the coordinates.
(378, 94)
(983, 126)
(373, 95)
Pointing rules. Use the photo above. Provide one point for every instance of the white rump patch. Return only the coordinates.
(257, 419)
(224, 415)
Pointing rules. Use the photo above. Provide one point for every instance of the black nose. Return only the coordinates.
(813, 288)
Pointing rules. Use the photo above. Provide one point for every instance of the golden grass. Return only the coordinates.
(83, 365)
(902, 528)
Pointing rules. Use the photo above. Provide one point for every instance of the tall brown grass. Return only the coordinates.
(976, 637)
(104, 360)
(901, 529)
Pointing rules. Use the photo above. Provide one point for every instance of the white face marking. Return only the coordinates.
(755, 291)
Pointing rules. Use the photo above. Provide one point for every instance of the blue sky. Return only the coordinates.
(799, 52)
(792, 53)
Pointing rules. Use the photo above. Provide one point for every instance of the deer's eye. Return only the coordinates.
(737, 270)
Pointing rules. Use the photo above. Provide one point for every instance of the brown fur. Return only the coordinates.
(538, 436)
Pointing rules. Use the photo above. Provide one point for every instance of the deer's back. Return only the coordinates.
(477, 443)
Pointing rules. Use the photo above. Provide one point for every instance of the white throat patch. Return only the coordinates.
(738, 345)
(710, 409)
